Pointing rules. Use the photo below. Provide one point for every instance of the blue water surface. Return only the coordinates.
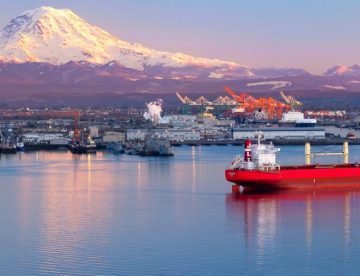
(129, 215)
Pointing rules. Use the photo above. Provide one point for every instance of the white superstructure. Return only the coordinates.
(259, 157)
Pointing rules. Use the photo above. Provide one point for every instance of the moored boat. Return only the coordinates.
(87, 147)
(20, 146)
(8, 148)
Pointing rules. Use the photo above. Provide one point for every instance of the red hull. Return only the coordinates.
(298, 177)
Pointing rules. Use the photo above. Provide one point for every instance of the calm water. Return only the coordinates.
(121, 215)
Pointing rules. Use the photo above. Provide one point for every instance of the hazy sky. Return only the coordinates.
(311, 34)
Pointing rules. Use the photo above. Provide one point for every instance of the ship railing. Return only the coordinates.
(270, 167)
(236, 161)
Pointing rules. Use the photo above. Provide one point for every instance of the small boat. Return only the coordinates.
(20, 146)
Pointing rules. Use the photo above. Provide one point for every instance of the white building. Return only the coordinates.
(183, 121)
(136, 134)
(94, 132)
(292, 116)
(178, 135)
(171, 134)
(113, 137)
(280, 133)
(47, 138)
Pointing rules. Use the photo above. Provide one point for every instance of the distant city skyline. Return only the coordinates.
(313, 35)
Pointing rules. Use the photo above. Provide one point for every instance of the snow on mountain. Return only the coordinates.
(334, 87)
(342, 70)
(58, 36)
(274, 84)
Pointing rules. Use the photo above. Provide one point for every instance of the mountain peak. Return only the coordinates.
(32, 18)
(38, 13)
(47, 9)
(57, 36)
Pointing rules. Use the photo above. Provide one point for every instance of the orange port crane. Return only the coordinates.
(272, 107)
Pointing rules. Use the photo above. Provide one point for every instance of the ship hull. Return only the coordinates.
(297, 177)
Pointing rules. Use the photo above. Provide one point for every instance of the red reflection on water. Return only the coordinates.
(261, 215)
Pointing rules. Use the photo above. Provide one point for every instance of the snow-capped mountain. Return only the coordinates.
(58, 36)
(342, 70)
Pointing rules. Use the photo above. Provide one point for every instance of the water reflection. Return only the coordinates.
(139, 173)
(309, 221)
(269, 219)
(60, 208)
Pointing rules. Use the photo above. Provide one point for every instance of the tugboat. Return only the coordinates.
(20, 145)
(259, 170)
(88, 147)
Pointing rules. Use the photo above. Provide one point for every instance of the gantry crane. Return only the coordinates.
(272, 107)
(291, 101)
(185, 99)
(202, 101)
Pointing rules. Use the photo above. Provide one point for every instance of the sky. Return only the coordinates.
(309, 34)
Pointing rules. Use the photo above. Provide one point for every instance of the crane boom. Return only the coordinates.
(185, 99)
(290, 100)
(180, 97)
(286, 99)
(232, 93)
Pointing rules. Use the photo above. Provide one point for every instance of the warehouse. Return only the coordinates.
(113, 137)
(136, 134)
(295, 133)
(178, 135)
(172, 134)
(45, 138)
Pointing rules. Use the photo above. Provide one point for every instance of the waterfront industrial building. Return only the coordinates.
(113, 137)
(171, 134)
(294, 133)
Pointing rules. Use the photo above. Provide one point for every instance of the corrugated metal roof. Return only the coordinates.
(267, 129)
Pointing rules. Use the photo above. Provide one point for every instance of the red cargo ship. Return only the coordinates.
(258, 170)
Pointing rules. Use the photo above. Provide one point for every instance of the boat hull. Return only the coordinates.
(298, 177)
(80, 149)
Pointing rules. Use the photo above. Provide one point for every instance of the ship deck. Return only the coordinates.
(320, 166)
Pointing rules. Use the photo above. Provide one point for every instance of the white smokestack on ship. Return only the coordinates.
(154, 111)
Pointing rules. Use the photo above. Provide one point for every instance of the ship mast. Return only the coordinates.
(259, 135)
